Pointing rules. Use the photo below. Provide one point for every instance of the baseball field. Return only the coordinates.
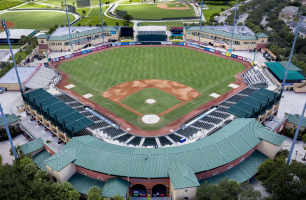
(179, 79)
(39, 20)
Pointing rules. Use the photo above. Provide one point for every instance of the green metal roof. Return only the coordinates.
(294, 119)
(82, 183)
(255, 104)
(279, 71)
(32, 146)
(83, 33)
(60, 112)
(221, 33)
(40, 158)
(292, 66)
(115, 186)
(261, 35)
(43, 36)
(61, 159)
(182, 176)
(9, 119)
(224, 146)
(268, 136)
(242, 172)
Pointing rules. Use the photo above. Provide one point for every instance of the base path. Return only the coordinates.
(8, 24)
(165, 6)
(173, 125)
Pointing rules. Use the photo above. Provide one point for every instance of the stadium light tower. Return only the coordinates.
(69, 27)
(9, 42)
(101, 22)
(296, 134)
(230, 50)
(8, 131)
(291, 53)
(201, 22)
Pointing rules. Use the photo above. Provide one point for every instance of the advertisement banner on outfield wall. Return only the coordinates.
(131, 43)
(228, 54)
(245, 59)
(102, 47)
(115, 44)
(175, 43)
(51, 61)
(94, 49)
(169, 43)
(137, 43)
(55, 59)
(124, 43)
(212, 50)
(223, 52)
(181, 43)
(67, 56)
(84, 52)
(163, 43)
(77, 54)
(234, 56)
(61, 58)
(109, 45)
(240, 57)
(206, 49)
(217, 51)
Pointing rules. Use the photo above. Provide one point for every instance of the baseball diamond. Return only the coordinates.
(201, 72)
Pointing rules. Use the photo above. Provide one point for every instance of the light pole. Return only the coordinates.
(9, 42)
(201, 22)
(69, 27)
(230, 50)
(291, 53)
(102, 22)
(8, 132)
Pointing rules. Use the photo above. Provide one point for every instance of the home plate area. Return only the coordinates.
(87, 95)
(214, 95)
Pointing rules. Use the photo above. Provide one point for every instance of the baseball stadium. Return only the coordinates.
(156, 120)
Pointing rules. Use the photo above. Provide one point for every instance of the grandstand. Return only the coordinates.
(255, 79)
(43, 78)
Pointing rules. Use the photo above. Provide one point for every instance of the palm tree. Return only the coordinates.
(304, 141)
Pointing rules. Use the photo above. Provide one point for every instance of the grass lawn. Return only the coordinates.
(9, 4)
(213, 8)
(94, 18)
(7, 46)
(18, 54)
(151, 11)
(35, 5)
(137, 101)
(38, 20)
(203, 72)
(175, 5)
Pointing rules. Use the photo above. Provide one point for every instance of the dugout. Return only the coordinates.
(152, 34)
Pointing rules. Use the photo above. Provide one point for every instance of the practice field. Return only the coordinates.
(202, 72)
(151, 11)
(39, 20)
(175, 5)
(213, 8)
(70, 2)
(164, 101)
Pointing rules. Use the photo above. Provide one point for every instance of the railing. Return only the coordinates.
(27, 131)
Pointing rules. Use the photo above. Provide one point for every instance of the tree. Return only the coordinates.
(117, 23)
(104, 24)
(240, 24)
(79, 24)
(18, 151)
(282, 15)
(127, 18)
(249, 193)
(94, 193)
(283, 181)
(62, 4)
(65, 191)
(83, 12)
(73, 3)
(118, 197)
(28, 50)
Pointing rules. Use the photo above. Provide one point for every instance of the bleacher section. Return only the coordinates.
(255, 79)
(43, 78)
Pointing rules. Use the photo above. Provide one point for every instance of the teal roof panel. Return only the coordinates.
(114, 186)
(40, 158)
(270, 137)
(294, 119)
(32, 146)
(61, 159)
(82, 183)
(9, 119)
(279, 71)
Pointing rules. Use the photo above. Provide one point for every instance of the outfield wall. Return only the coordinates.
(197, 46)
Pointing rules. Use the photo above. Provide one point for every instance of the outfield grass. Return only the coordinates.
(137, 101)
(203, 72)
(213, 8)
(151, 11)
(9, 4)
(35, 5)
(39, 20)
(168, 24)
(94, 18)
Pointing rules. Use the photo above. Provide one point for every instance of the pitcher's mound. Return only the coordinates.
(8, 24)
